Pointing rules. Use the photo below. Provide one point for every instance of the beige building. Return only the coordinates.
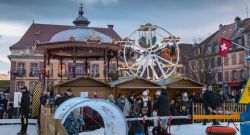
(27, 62)
(231, 71)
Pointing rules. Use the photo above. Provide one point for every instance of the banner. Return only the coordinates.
(17, 98)
(245, 96)
(35, 107)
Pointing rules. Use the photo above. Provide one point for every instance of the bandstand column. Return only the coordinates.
(61, 68)
(86, 66)
(48, 73)
(108, 68)
(74, 61)
(44, 69)
(104, 61)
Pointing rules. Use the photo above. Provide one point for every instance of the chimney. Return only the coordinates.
(237, 21)
(110, 26)
(220, 27)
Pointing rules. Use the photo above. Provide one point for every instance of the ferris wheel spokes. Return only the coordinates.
(160, 67)
(155, 76)
(171, 63)
(145, 65)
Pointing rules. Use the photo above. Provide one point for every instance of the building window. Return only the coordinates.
(32, 85)
(33, 69)
(239, 40)
(212, 62)
(95, 70)
(218, 61)
(19, 85)
(226, 75)
(226, 61)
(21, 70)
(234, 75)
(242, 74)
(79, 70)
(248, 39)
(242, 58)
(219, 76)
(213, 48)
(234, 61)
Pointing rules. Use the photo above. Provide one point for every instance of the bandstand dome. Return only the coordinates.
(80, 34)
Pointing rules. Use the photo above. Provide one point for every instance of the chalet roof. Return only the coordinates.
(169, 81)
(131, 79)
(44, 32)
(79, 79)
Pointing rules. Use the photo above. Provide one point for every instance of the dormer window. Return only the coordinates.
(37, 32)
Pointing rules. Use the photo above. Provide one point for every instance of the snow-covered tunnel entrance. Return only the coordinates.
(113, 118)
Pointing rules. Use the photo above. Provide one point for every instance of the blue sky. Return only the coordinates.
(188, 19)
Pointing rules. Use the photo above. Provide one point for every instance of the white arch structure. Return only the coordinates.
(114, 120)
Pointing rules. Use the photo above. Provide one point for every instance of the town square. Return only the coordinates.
(124, 67)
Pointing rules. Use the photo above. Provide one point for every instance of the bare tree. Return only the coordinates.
(201, 70)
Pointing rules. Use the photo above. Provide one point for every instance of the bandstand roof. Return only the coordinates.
(44, 33)
(80, 34)
(83, 49)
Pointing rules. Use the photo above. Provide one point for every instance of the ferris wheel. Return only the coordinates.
(151, 52)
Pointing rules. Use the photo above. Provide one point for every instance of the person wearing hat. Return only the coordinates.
(25, 110)
(146, 109)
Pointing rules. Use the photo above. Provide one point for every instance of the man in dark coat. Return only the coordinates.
(211, 103)
(162, 104)
(25, 110)
(2, 107)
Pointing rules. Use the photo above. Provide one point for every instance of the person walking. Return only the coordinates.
(211, 103)
(25, 109)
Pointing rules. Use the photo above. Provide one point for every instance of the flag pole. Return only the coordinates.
(240, 46)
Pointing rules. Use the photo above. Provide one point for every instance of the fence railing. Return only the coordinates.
(198, 109)
(49, 125)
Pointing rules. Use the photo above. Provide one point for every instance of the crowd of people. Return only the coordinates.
(132, 105)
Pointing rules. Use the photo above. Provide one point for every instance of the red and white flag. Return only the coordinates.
(224, 47)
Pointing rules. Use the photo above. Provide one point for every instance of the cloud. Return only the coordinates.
(4, 59)
(94, 2)
(10, 29)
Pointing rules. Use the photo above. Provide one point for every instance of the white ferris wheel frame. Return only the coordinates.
(146, 59)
